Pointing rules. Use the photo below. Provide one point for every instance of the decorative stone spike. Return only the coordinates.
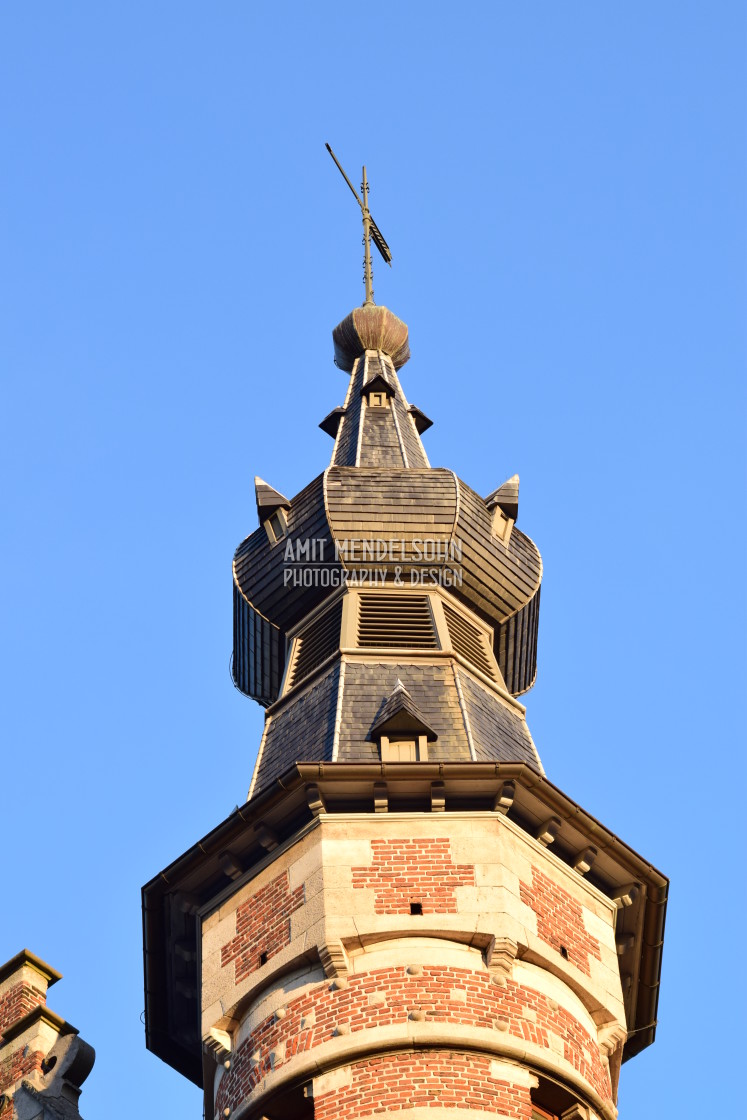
(506, 497)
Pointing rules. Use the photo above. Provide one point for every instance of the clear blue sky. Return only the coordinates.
(563, 188)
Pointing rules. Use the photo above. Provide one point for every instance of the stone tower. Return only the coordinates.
(43, 1060)
(406, 915)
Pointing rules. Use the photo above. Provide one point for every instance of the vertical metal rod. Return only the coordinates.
(368, 270)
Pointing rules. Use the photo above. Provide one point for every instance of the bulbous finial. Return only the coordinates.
(370, 328)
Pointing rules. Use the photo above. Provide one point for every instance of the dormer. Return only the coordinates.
(378, 391)
(400, 730)
(272, 507)
(503, 503)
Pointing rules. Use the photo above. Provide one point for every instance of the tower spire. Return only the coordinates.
(370, 230)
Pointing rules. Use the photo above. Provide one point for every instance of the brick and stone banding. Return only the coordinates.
(262, 926)
(560, 921)
(405, 871)
(388, 998)
(443, 1080)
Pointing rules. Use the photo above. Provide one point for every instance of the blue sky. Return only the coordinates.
(562, 187)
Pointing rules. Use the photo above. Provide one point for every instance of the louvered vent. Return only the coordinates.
(468, 641)
(317, 642)
(396, 622)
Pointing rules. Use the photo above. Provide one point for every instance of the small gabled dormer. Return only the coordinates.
(504, 505)
(400, 731)
(272, 507)
(378, 391)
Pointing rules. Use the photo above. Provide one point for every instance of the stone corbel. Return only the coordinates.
(611, 1039)
(334, 962)
(218, 1044)
(499, 959)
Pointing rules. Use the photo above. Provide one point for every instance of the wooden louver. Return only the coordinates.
(317, 642)
(468, 641)
(396, 622)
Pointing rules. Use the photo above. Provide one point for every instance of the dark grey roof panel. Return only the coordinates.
(433, 690)
(499, 733)
(380, 446)
(302, 731)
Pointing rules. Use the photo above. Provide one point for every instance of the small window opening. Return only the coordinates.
(378, 400)
(502, 525)
(276, 526)
(262, 959)
(564, 952)
(416, 907)
(403, 750)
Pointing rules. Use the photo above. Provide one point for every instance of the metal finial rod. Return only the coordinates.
(370, 229)
(368, 270)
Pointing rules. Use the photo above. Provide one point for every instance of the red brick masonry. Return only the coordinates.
(262, 926)
(386, 997)
(405, 871)
(560, 922)
(447, 1079)
(17, 1002)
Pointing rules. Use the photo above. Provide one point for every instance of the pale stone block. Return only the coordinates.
(529, 1014)
(217, 982)
(305, 864)
(336, 1079)
(600, 926)
(496, 875)
(348, 852)
(483, 900)
(556, 1044)
(458, 995)
(307, 915)
(337, 877)
(340, 901)
(210, 1016)
(214, 938)
(501, 1070)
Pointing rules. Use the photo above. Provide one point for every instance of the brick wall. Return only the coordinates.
(17, 1065)
(262, 926)
(560, 921)
(17, 1002)
(387, 997)
(405, 871)
(447, 1079)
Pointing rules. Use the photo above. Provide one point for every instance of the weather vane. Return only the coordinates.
(370, 229)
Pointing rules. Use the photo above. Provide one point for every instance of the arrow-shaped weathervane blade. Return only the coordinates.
(380, 243)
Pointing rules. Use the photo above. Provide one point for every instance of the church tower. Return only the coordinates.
(406, 915)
